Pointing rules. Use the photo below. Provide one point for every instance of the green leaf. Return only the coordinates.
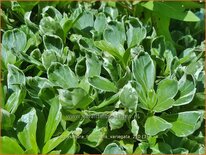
(15, 78)
(26, 127)
(40, 133)
(186, 87)
(51, 12)
(47, 92)
(28, 6)
(184, 123)
(102, 84)
(51, 27)
(68, 146)
(48, 57)
(136, 33)
(161, 148)
(142, 148)
(113, 148)
(151, 100)
(155, 125)
(117, 119)
(85, 21)
(116, 52)
(180, 151)
(144, 71)
(77, 98)
(112, 12)
(173, 10)
(93, 65)
(115, 34)
(7, 120)
(96, 137)
(162, 25)
(194, 68)
(127, 146)
(67, 23)
(55, 152)
(53, 42)
(100, 22)
(158, 46)
(54, 142)
(10, 146)
(165, 96)
(7, 57)
(107, 102)
(62, 76)
(129, 97)
(29, 23)
(110, 66)
(145, 100)
(35, 84)
(163, 86)
(15, 100)
(14, 40)
(53, 120)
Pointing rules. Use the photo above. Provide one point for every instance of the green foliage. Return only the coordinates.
(102, 77)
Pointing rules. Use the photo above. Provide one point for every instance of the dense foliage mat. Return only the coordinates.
(102, 77)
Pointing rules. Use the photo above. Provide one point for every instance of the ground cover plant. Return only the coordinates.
(102, 77)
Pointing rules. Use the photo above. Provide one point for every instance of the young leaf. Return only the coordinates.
(151, 100)
(102, 84)
(155, 125)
